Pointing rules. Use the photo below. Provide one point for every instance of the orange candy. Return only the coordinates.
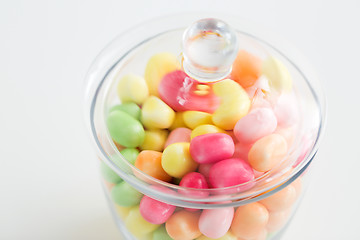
(246, 69)
(183, 225)
(281, 200)
(249, 220)
(262, 235)
(267, 152)
(149, 162)
(277, 220)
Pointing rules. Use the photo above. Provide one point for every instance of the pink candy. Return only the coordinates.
(178, 135)
(285, 110)
(242, 150)
(194, 180)
(230, 172)
(214, 223)
(154, 211)
(211, 147)
(257, 124)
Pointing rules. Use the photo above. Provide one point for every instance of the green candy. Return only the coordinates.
(124, 195)
(108, 174)
(161, 234)
(130, 108)
(125, 130)
(130, 154)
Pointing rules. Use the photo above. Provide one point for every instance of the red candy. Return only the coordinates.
(154, 211)
(182, 93)
(211, 147)
(194, 180)
(230, 172)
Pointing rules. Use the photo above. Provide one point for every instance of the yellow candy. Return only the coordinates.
(235, 104)
(193, 119)
(154, 140)
(277, 74)
(158, 66)
(156, 114)
(178, 122)
(132, 88)
(227, 236)
(122, 211)
(205, 129)
(137, 225)
(176, 160)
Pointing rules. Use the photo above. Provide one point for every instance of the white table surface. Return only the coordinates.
(48, 177)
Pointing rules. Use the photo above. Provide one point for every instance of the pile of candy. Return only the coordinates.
(203, 135)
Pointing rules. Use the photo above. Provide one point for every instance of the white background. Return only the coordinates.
(49, 186)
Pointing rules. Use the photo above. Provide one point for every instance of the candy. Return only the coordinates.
(227, 236)
(287, 133)
(246, 69)
(178, 121)
(183, 93)
(235, 104)
(242, 150)
(211, 148)
(154, 140)
(130, 108)
(178, 135)
(279, 77)
(204, 129)
(154, 211)
(124, 129)
(262, 235)
(285, 110)
(230, 172)
(156, 114)
(176, 160)
(137, 225)
(157, 67)
(193, 119)
(161, 234)
(204, 169)
(149, 162)
(123, 212)
(277, 220)
(267, 152)
(281, 200)
(249, 220)
(125, 195)
(132, 88)
(108, 174)
(215, 223)
(255, 125)
(183, 225)
(130, 154)
(194, 180)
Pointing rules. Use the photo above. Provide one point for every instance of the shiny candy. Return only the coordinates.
(230, 172)
(277, 220)
(235, 104)
(267, 152)
(194, 180)
(124, 129)
(281, 200)
(215, 223)
(154, 140)
(249, 220)
(277, 74)
(130, 108)
(156, 114)
(176, 160)
(137, 225)
(130, 154)
(246, 69)
(183, 225)
(154, 211)
(157, 67)
(255, 125)
(193, 119)
(204, 129)
(149, 162)
(125, 195)
(178, 135)
(211, 148)
(132, 88)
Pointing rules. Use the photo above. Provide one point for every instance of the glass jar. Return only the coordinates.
(145, 207)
